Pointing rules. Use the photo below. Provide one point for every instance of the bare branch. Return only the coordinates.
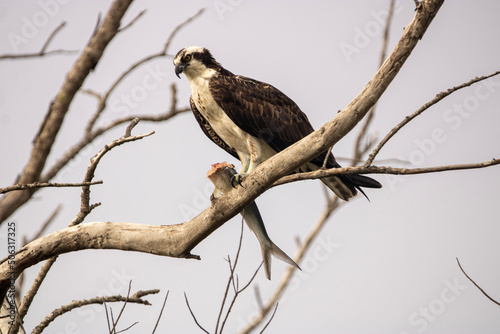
(37, 54)
(134, 20)
(179, 27)
(43, 51)
(270, 319)
(477, 286)
(136, 299)
(192, 314)
(113, 329)
(44, 47)
(382, 170)
(423, 108)
(231, 279)
(36, 185)
(161, 312)
(237, 290)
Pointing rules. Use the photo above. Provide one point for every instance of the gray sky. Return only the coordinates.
(384, 266)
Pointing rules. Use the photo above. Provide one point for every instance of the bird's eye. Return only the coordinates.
(187, 58)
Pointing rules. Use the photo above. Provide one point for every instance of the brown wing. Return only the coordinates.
(263, 111)
(209, 131)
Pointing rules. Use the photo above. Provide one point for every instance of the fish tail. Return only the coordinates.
(272, 249)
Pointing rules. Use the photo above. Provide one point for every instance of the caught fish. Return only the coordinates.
(221, 175)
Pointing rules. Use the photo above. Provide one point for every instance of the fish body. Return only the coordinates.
(221, 176)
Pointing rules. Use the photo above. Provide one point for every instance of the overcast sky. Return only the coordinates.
(384, 266)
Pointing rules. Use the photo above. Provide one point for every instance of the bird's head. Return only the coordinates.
(195, 61)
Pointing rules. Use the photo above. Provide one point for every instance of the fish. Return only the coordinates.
(222, 176)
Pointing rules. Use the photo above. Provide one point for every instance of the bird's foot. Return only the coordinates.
(237, 179)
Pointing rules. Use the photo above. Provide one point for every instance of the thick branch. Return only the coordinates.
(46, 136)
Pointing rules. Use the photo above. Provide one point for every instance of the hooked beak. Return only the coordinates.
(179, 69)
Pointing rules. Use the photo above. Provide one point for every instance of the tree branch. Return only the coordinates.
(74, 80)
(36, 185)
(42, 51)
(477, 286)
(381, 170)
(136, 299)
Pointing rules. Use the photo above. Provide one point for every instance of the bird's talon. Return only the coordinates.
(236, 180)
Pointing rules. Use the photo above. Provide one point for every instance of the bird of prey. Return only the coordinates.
(252, 120)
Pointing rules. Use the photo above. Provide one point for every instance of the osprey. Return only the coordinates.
(252, 120)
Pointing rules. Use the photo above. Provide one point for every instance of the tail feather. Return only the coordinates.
(346, 186)
(272, 249)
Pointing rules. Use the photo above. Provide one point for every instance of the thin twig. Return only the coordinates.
(42, 51)
(270, 319)
(236, 294)
(112, 319)
(477, 286)
(161, 312)
(423, 108)
(107, 318)
(36, 185)
(179, 27)
(37, 54)
(123, 307)
(131, 23)
(231, 279)
(51, 36)
(126, 329)
(192, 314)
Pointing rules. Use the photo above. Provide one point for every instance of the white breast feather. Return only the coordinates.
(223, 125)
